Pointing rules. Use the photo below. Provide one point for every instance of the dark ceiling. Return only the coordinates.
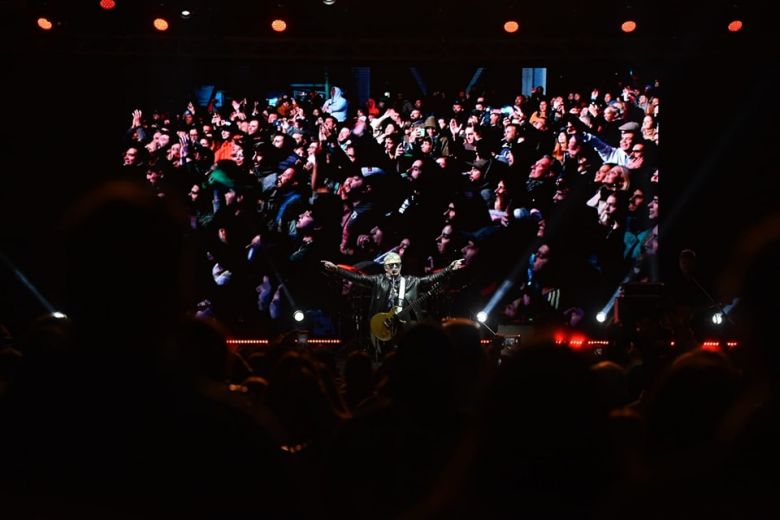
(391, 30)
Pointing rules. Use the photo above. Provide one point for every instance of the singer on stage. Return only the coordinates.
(395, 299)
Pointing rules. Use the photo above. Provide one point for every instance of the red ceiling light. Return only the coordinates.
(628, 26)
(107, 4)
(161, 24)
(511, 26)
(279, 25)
(735, 26)
(45, 24)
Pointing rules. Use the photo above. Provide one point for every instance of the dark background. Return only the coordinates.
(67, 94)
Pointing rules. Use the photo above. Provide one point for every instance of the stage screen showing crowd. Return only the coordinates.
(554, 188)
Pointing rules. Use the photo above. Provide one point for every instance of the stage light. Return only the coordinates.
(735, 26)
(107, 4)
(511, 26)
(45, 24)
(248, 341)
(628, 26)
(711, 346)
(328, 2)
(161, 24)
(298, 315)
(717, 318)
(279, 25)
(601, 317)
(58, 315)
(482, 316)
(186, 14)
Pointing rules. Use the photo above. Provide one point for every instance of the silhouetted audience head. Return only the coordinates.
(611, 383)
(124, 260)
(359, 379)
(423, 370)
(691, 401)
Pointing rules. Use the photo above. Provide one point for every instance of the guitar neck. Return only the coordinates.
(413, 305)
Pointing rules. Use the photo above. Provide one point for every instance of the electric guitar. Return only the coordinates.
(385, 325)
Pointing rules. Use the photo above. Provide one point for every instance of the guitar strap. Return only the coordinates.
(401, 291)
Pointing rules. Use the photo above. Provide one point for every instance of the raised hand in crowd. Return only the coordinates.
(457, 264)
(137, 114)
(324, 133)
(255, 242)
(237, 110)
(363, 241)
(184, 142)
(360, 127)
(455, 128)
(329, 266)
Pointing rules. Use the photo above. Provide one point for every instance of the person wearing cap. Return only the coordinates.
(479, 184)
(392, 290)
(629, 134)
(440, 142)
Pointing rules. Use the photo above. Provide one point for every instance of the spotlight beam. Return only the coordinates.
(22, 279)
(278, 276)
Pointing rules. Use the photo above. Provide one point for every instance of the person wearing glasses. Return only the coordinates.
(392, 292)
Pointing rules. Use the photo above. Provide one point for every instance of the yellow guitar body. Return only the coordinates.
(383, 326)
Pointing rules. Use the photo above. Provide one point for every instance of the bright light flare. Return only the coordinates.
(45, 24)
(628, 26)
(279, 25)
(735, 26)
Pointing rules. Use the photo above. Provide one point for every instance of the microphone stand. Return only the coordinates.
(688, 272)
(492, 332)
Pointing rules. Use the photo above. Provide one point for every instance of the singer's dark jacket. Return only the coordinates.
(380, 285)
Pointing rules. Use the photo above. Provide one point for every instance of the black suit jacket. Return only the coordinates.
(380, 285)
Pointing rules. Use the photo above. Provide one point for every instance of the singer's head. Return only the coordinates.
(393, 264)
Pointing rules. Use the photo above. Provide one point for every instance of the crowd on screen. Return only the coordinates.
(134, 405)
(562, 185)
